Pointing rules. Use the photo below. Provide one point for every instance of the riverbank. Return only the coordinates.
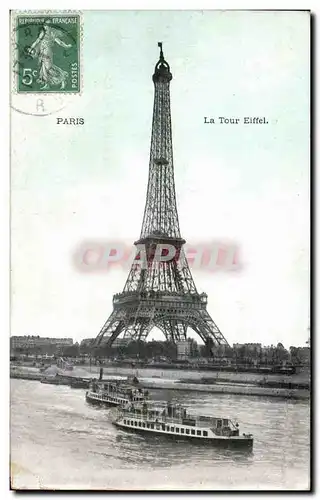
(217, 385)
(246, 390)
(299, 380)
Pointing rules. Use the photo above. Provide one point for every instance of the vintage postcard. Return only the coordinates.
(160, 250)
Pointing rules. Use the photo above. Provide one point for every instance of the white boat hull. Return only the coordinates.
(245, 441)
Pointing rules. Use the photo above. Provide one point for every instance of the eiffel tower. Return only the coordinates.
(160, 294)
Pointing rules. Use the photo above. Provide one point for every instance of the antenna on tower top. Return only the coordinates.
(161, 53)
(162, 69)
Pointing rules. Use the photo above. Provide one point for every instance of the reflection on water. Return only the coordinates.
(64, 442)
(161, 452)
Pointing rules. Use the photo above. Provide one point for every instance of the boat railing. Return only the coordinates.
(204, 418)
(159, 419)
(225, 431)
(124, 392)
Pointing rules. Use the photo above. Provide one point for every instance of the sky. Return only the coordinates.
(246, 184)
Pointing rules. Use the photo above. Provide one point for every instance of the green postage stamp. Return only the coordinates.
(47, 52)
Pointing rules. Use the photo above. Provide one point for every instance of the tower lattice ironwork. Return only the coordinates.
(160, 294)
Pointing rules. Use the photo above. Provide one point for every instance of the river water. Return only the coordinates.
(59, 441)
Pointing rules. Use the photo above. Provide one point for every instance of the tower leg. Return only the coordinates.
(113, 326)
(207, 329)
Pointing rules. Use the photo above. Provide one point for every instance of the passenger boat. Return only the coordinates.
(174, 421)
(114, 393)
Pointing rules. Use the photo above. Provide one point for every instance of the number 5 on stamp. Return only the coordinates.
(47, 53)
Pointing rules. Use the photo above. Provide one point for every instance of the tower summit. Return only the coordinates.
(162, 295)
(162, 69)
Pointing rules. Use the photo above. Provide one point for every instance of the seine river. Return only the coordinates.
(59, 441)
